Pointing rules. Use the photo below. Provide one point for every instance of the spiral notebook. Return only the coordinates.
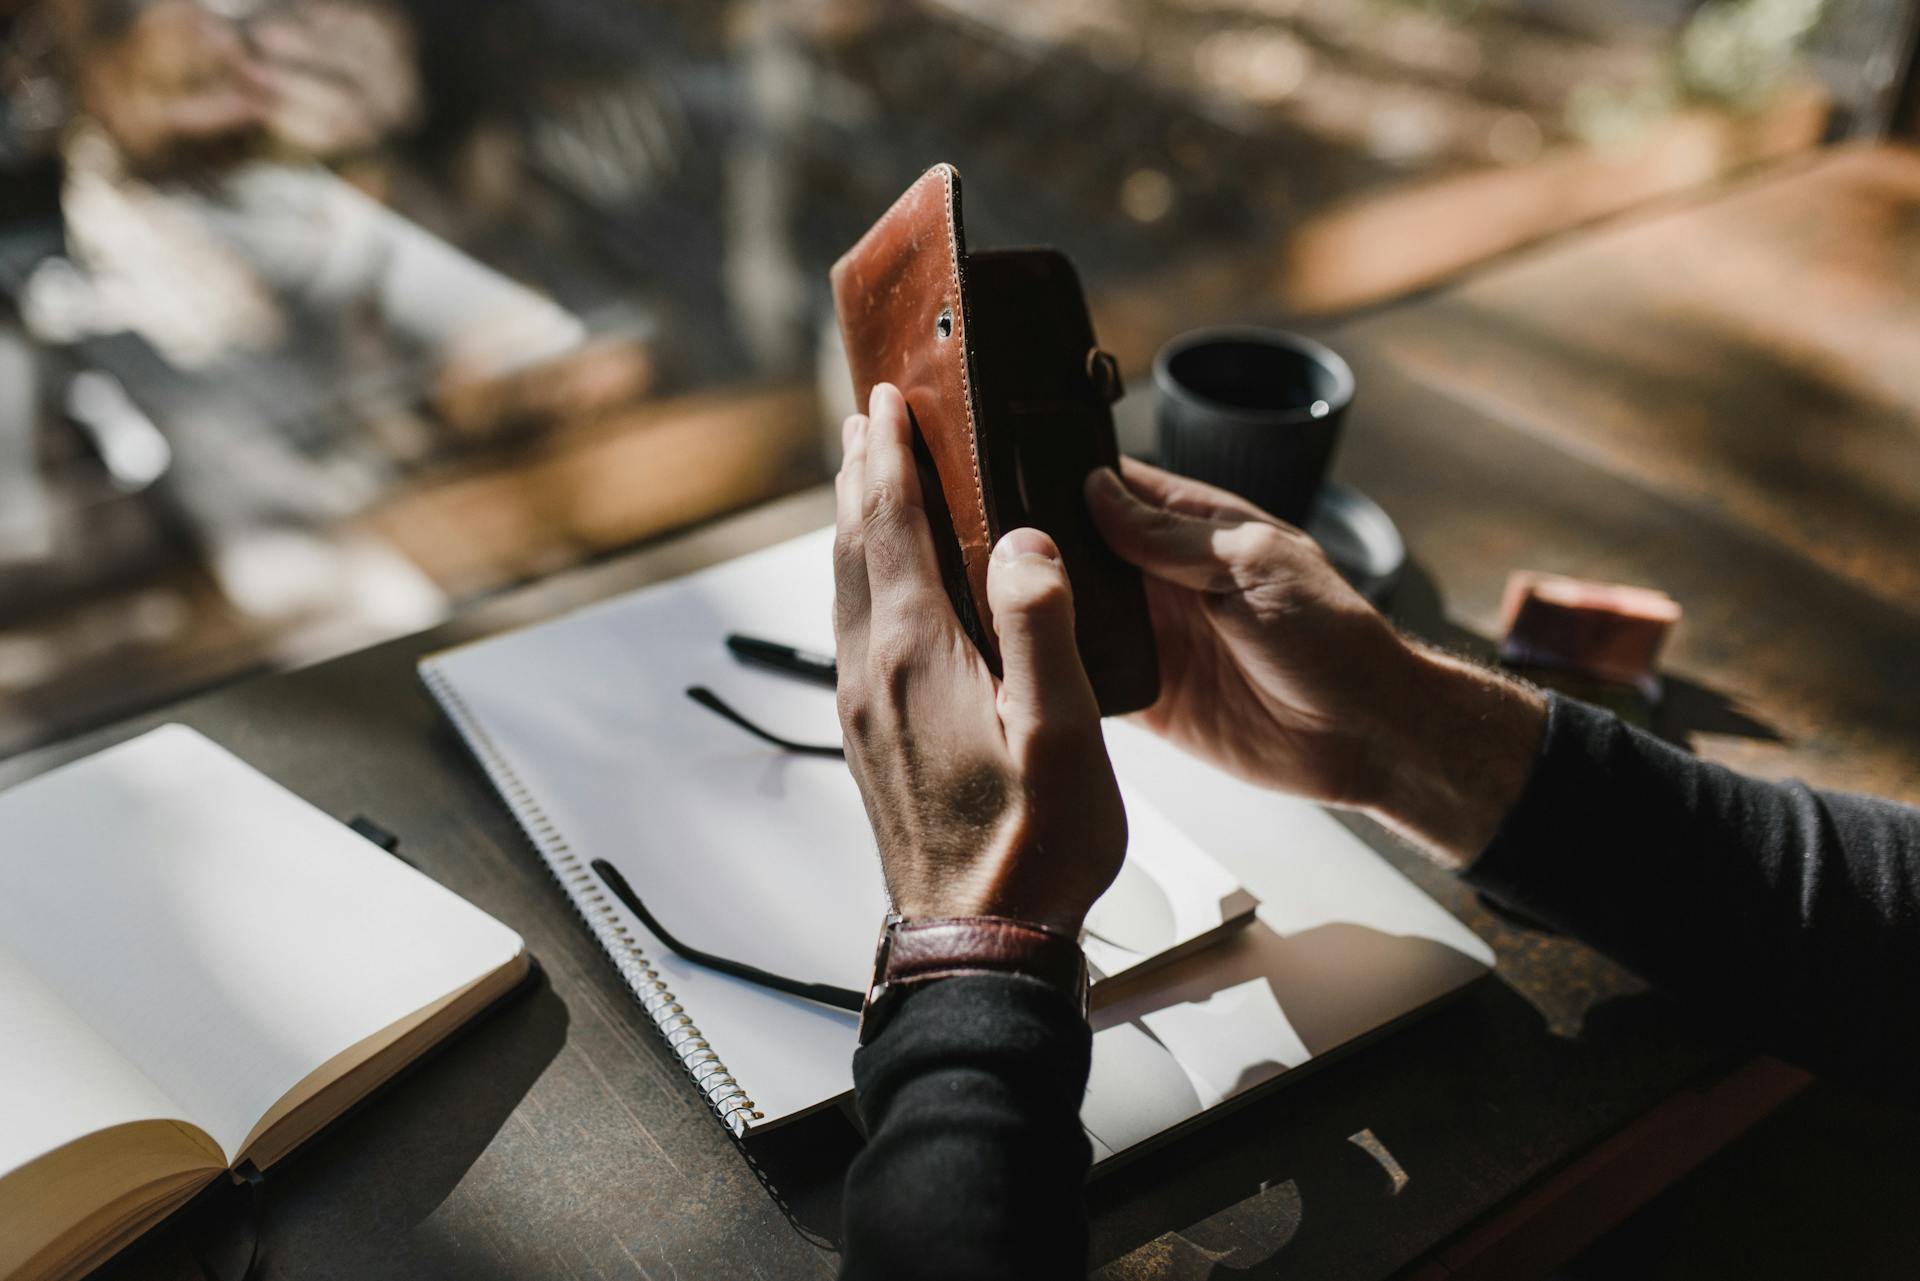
(739, 848)
(766, 857)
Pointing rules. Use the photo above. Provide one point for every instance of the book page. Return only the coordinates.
(59, 1079)
(223, 935)
(80, 1127)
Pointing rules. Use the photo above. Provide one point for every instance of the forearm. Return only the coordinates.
(975, 1158)
(1791, 916)
(1456, 748)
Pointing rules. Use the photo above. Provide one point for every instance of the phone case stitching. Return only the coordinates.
(960, 360)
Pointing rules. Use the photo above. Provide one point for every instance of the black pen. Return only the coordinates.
(804, 664)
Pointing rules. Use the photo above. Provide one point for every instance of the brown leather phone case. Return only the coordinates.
(1010, 397)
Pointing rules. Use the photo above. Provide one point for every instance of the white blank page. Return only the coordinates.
(59, 1080)
(222, 934)
(736, 847)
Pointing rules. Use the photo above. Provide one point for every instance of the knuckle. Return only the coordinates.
(1259, 541)
(1259, 551)
(883, 507)
(847, 549)
(877, 503)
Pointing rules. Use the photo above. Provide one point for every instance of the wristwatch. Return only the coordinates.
(913, 953)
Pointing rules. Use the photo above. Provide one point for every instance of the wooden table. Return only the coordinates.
(1627, 406)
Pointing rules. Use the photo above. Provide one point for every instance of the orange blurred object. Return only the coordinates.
(1605, 630)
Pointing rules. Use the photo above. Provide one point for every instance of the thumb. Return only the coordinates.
(1043, 687)
(1199, 552)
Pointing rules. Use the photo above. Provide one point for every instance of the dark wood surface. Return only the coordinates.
(1748, 366)
(559, 1138)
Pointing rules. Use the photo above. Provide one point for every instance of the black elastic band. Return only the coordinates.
(714, 703)
(380, 836)
(840, 998)
(247, 1175)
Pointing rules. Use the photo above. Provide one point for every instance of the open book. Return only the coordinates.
(198, 970)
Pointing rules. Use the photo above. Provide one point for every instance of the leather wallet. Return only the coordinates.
(1011, 403)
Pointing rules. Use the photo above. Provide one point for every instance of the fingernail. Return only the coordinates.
(1104, 485)
(850, 428)
(881, 390)
(1025, 541)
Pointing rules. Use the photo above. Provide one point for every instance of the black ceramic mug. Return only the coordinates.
(1254, 411)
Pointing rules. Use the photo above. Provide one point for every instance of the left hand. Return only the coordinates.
(987, 798)
(1272, 667)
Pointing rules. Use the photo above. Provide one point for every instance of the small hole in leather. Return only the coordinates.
(943, 327)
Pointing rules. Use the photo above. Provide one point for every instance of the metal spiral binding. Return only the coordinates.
(724, 1095)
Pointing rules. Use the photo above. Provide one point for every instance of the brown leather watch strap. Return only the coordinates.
(925, 950)
(912, 953)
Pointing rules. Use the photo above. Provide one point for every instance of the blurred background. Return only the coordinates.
(321, 317)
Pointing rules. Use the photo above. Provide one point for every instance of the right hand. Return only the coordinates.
(1276, 670)
(1271, 665)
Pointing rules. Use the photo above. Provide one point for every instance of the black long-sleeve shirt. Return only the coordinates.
(1788, 913)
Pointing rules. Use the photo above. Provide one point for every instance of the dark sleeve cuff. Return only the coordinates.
(975, 1157)
(1025, 1032)
(1565, 788)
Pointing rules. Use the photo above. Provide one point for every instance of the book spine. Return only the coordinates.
(729, 1101)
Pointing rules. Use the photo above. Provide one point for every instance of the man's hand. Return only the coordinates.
(1275, 669)
(986, 797)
